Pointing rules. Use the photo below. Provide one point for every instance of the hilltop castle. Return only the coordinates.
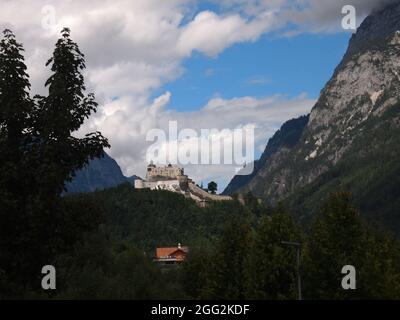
(172, 178)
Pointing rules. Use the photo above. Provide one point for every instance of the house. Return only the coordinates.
(171, 255)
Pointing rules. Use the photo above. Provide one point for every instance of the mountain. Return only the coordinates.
(286, 137)
(99, 174)
(351, 141)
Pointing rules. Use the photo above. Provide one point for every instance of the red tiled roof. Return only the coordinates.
(169, 251)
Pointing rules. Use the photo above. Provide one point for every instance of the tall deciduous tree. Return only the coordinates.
(16, 109)
(62, 113)
(58, 153)
(38, 154)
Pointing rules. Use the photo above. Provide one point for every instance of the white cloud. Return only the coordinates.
(127, 124)
(318, 16)
(210, 33)
(133, 47)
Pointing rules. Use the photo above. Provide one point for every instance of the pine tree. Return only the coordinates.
(272, 267)
(379, 275)
(227, 274)
(196, 274)
(336, 239)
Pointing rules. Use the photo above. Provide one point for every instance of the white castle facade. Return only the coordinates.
(172, 178)
(162, 178)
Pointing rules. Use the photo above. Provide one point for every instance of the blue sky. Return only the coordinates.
(200, 63)
(288, 66)
(272, 65)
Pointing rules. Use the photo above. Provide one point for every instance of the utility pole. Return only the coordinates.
(298, 247)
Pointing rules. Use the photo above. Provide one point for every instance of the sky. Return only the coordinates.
(223, 64)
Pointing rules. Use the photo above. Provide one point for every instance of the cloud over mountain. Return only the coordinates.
(133, 47)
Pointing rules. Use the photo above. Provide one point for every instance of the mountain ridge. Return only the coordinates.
(288, 135)
(359, 104)
(98, 174)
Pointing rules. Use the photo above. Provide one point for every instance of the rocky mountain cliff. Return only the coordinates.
(286, 137)
(351, 139)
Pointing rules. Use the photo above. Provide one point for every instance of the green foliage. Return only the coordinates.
(101, 269)
(229, 261)
(149, 219)
(272, 272)
(247, 262)
(38, 153)
(253, 263)
(212, 187)
(196, 273)
(337, 238)
(16, 108)
(60, 114)
(255, 204)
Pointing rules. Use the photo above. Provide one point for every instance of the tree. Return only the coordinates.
(57, 153)
(196, 274)
(212, 187)
(62, 113)
(227, 273)
(336, 239)
(254, 204)
(16, 109)
(15, 102)
(379, 277)
(339, 237)
(38, 154)
(271, 268)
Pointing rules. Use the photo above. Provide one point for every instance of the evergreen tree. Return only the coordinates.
(379, 275)
(336, 239)
(196, 271)
(227, 274)
(254, 204)
(272, 267)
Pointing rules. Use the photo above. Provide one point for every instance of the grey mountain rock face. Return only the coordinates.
(287, 136)
(99, 174)
(363, 88)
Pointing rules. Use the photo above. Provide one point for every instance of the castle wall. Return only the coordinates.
(205, 195)
(172, 178)
(163, 173)
(170, 185)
